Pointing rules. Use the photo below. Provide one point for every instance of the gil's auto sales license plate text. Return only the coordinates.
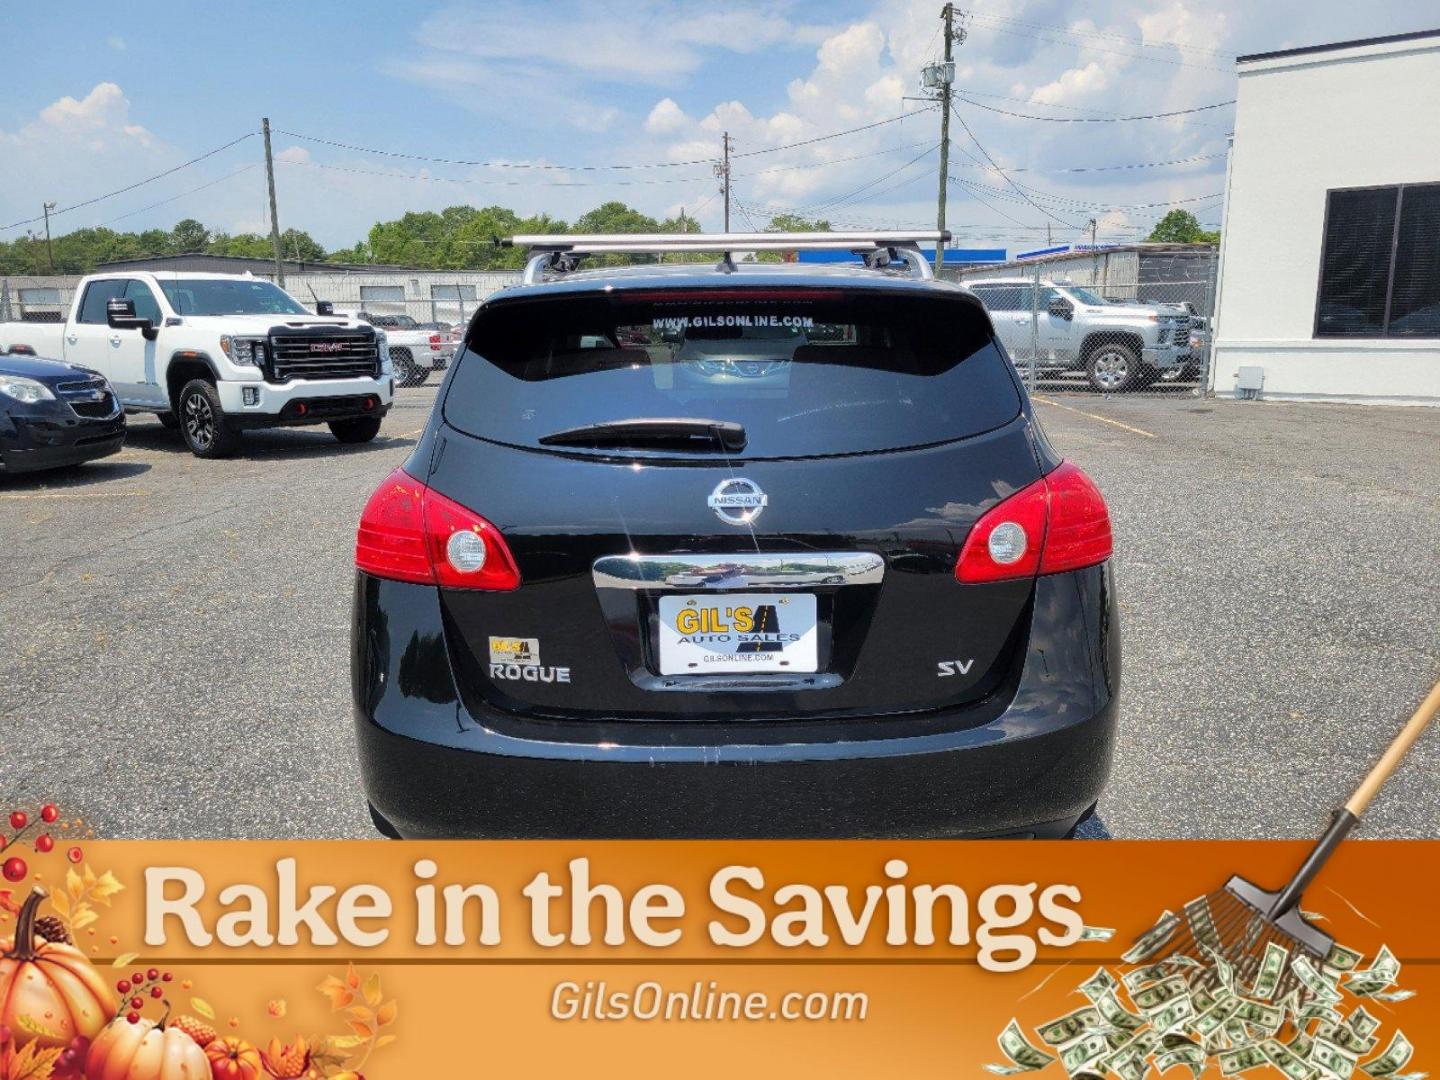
(701, 635)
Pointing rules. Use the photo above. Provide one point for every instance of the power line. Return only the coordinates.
(1003, 173)
(182, 195)
(132, 187)
(1117, 168)
(1083, 203)
(589, 168)
(1096, 119)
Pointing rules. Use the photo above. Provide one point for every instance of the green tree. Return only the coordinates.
(189, 236)
(1180, 227)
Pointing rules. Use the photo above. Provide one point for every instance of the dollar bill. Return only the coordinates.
(1223, 971)
(1149, 973)
(1342, 959)
(1083, 1052)
(1361, 1022)
(1272, 966)
(1396, 1056)
(1334, 1059)
(1023, 1057)
(1173, 1015)
(1096, 933)
(1381, 973)
(1192, 1056)
(1287, 1061)
(1313, 981)
(1116, 1015)
(1153, 940)
(1160, 994)
(1267, 1017)
(1240, 1059)
(1391, 996)
(1346, 1037)
(1302, 1044)
(1102, 982)
(1071, 1026)
(1213, 1019)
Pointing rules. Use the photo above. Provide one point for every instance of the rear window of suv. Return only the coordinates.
(805, 372)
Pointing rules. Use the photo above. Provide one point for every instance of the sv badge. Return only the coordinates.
(955, 667)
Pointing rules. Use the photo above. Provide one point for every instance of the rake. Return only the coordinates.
(1238, 922)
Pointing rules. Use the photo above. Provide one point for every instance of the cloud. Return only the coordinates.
(665, 118)
(294, 155)
(116, 42)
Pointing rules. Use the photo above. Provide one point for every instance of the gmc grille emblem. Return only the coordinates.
(326, 346)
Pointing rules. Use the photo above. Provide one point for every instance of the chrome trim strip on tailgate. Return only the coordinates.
(691, 573)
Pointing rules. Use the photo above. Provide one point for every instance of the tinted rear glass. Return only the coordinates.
(804, 371)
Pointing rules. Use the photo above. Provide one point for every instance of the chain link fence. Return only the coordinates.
(1082, 326)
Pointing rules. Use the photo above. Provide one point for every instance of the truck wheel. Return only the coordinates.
(202, 421)
(407, 371)
(167, 420)
(361, 429)
(1113, 368)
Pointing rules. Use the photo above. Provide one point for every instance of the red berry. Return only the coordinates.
(19, 819)
(133, 1017)
(15, 869)
(166, 977)
(44, 842)
(137, 1003)
(152, 974)
(123, 986)
(74, 854)
(49, 812)
(156, 992)
(138, 978)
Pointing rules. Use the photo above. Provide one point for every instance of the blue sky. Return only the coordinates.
(98, 97)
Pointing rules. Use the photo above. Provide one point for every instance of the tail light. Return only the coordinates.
(410, 533)
(1056, 524)
(435, 340)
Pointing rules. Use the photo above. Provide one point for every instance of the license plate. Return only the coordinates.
(701, 635)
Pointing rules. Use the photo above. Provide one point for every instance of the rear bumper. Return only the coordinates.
(1030, 760)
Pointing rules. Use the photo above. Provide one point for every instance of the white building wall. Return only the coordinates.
(1304, 125)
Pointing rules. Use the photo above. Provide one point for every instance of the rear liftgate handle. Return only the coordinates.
(1349, 816)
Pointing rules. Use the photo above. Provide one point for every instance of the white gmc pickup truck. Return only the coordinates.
(216, 354)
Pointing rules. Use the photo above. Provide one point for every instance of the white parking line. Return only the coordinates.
(1093, 416)
(139, 493)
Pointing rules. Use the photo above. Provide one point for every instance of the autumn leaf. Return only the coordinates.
(339, 994)
(88, 876)
(361, 1013)
(344, 1042)
(59, 901)
(203, 1007)
(365, 1031)
(352, 977)
(83, 917)
(384, 1040)
(386, 1013)
(372, 989)
(33, 1063)
(73, 884)
(124, 959)
(105, 887)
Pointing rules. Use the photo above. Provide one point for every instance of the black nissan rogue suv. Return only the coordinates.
(747, 550)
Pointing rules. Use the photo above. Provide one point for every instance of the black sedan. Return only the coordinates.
(54, 414)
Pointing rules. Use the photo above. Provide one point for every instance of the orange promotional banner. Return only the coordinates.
(853, 958)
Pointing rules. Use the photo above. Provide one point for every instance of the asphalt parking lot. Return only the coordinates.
(175, 631)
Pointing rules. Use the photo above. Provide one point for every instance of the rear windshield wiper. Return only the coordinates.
(659, 430)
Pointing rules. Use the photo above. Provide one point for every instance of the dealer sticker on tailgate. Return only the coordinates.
(701, 635)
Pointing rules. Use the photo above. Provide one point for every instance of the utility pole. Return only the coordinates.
(49, 249)
(722, 170)
(274, 218)
(944, 78)
(1094, 254)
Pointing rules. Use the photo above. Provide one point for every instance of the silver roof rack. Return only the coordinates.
(558, 253)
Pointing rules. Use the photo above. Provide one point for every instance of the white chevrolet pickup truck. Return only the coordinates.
(217, 354)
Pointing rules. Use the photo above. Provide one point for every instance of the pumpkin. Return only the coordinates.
(233, 1059)
(145, 1050)
(49, 993)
